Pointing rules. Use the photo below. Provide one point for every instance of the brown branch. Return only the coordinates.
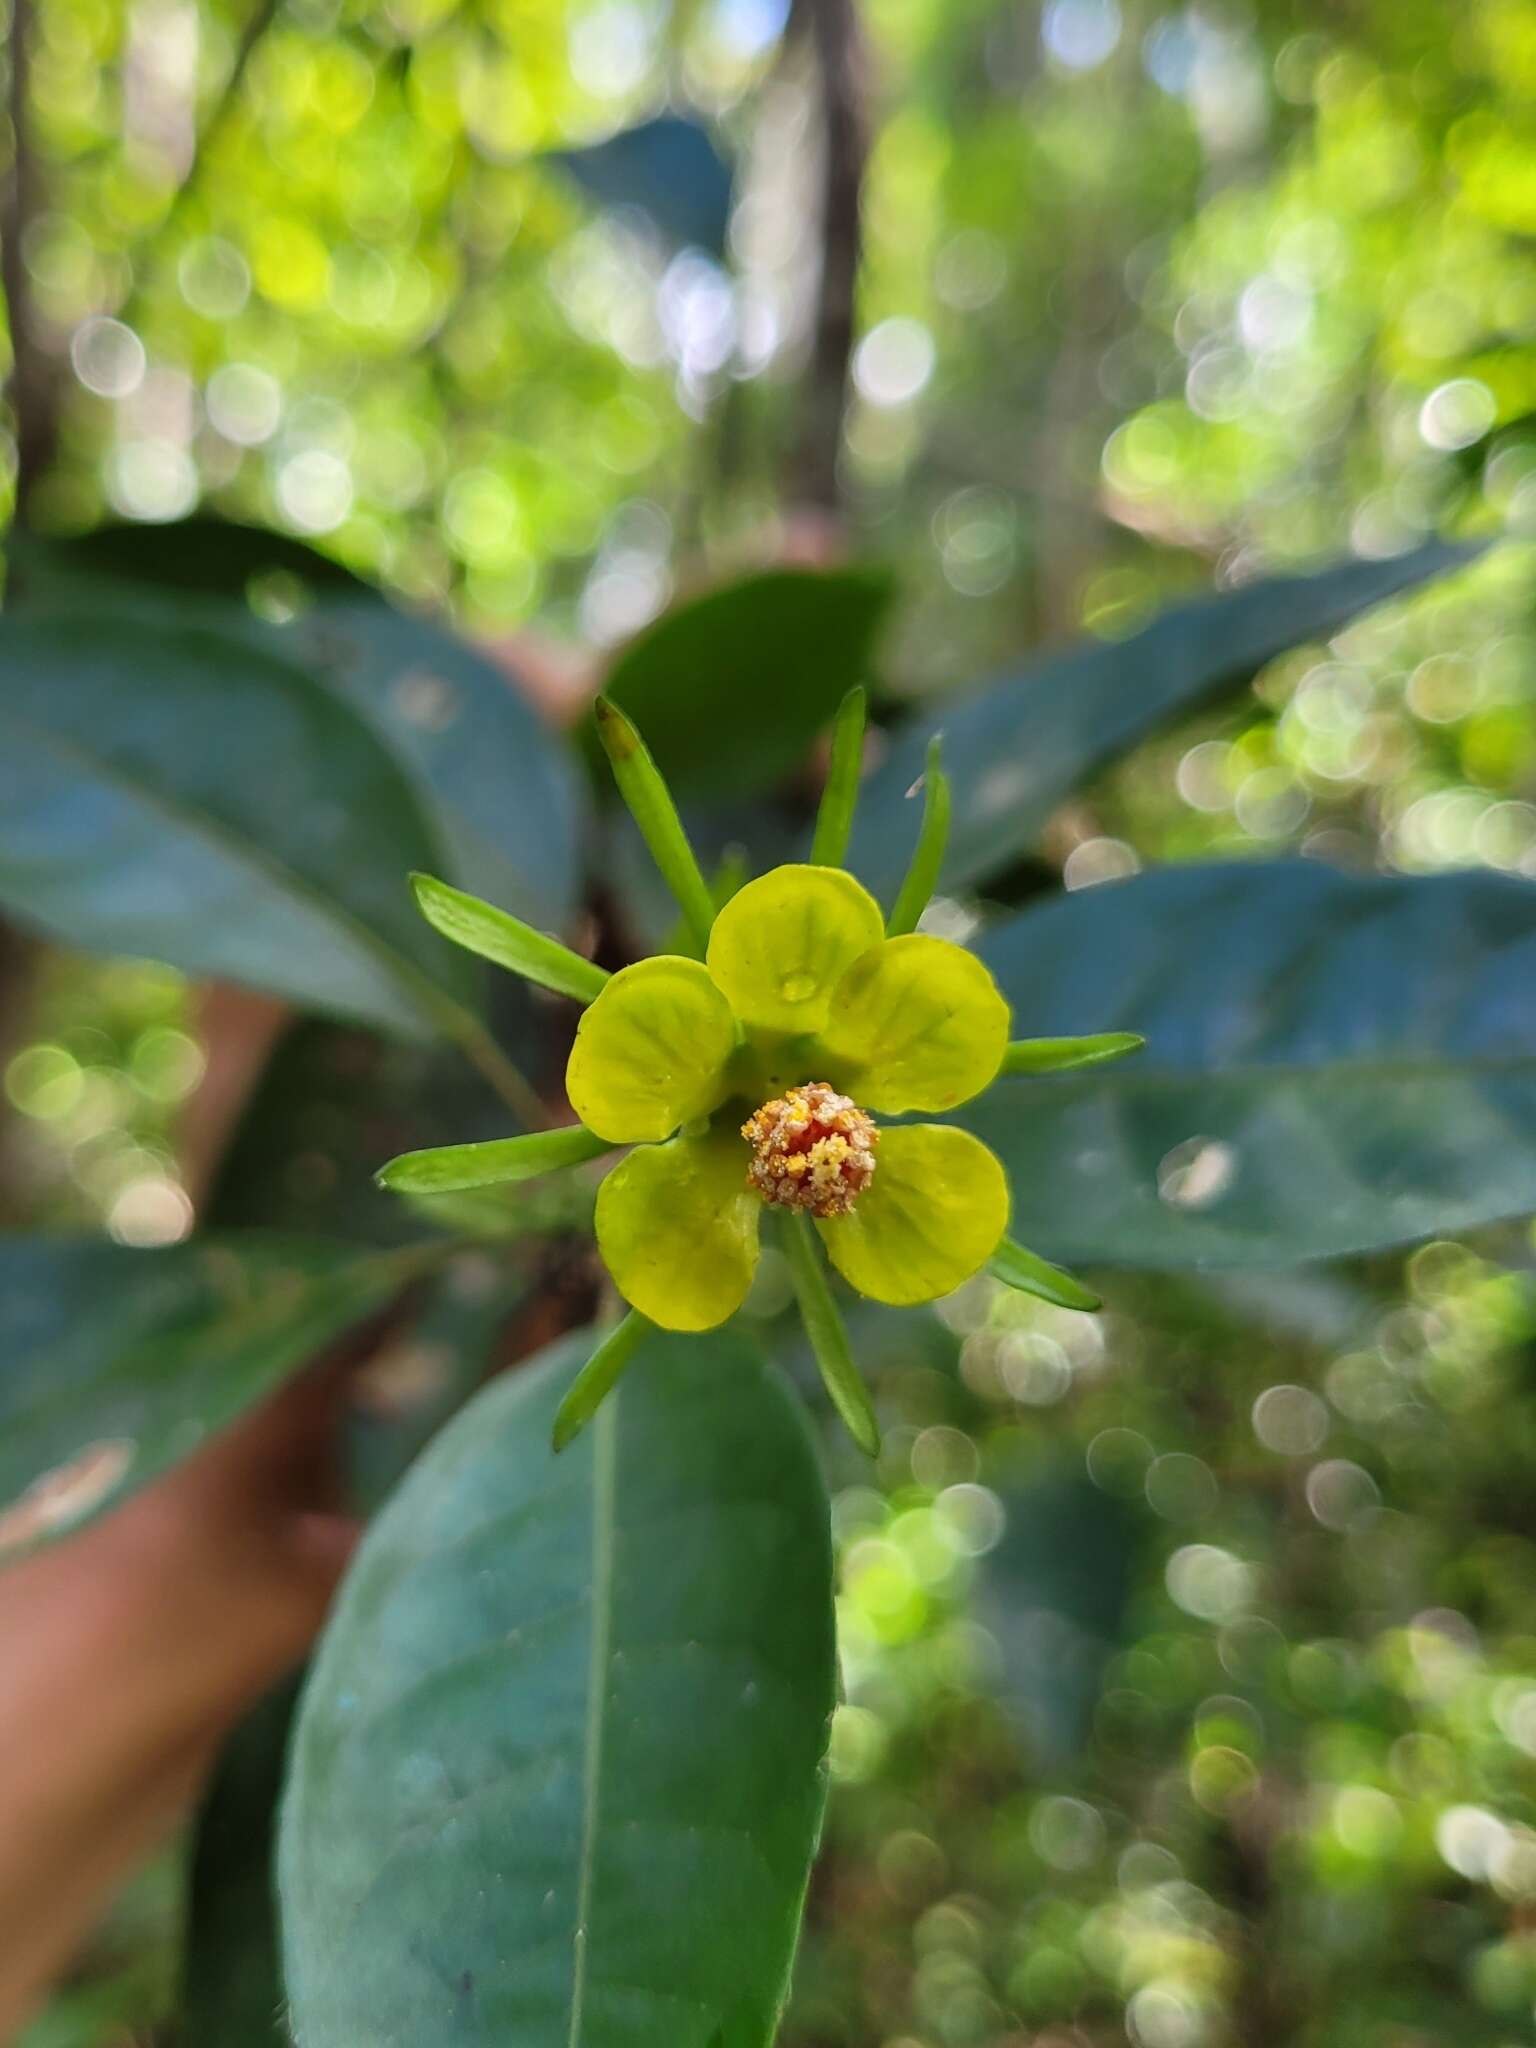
(834, 33)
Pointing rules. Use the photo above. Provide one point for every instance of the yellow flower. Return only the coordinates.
(799, 989)
(751, 1078)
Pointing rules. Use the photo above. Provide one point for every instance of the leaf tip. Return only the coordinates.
(571, 1418)
(616, 732)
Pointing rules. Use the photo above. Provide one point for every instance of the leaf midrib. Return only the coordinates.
(604, 1490)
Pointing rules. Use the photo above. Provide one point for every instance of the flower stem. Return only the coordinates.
(651, 806)
(598, 1377)
(928, 855)
(507, 1079)
(834, 818)
(829, 1339)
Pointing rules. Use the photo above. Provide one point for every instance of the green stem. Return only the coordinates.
(829, 1339)
(598, 1377)
(508, 1080)
(928, 855)
(834, 818)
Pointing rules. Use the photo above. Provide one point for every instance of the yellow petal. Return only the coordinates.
(677, 1228)
(915, 1024)
(931, 1217)
(782, 944)
(651, 1051)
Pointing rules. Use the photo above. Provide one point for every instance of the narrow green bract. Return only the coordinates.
(496, 935)
(444, 1169)
(1016, 1266)
(928, 855)
(598, 1378)
(828, 1337)
(1058, 1055)
(651, 806)
(834, 818)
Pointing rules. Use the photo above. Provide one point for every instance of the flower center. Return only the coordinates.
(811, 1149)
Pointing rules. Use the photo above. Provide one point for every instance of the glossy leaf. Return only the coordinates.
(1017, 747)
(232, 1989)
(731, 689)
(558, 1772)
(670, 169)
(1054, 1596)
(119, 1363)
(499, 787)
(1334, 1063)
(190, 798)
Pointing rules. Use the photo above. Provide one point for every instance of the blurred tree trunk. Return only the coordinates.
(835, 37)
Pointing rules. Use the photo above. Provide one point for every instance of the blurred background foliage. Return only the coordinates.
(1189, 1653)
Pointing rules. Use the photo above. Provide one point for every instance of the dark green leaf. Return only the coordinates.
(670, 169)
(1053, 1594)
(557, 1778)
(188, 797)
(499, 787)
(1334, 1063)
(1016, 749)
(728, 692)
(233, 1993)
(118, 1364)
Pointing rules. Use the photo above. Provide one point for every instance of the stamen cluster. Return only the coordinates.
(812, 1149)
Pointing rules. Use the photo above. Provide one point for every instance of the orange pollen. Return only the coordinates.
(811, 1149)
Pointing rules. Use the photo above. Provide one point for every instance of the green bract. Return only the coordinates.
(807, 1006)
